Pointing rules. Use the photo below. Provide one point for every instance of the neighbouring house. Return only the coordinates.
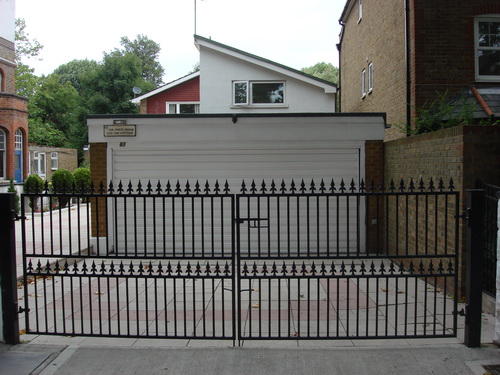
(396, 56)
(13, 108)
(45, 160)
(234, 81)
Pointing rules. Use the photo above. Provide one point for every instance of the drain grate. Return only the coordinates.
(492, 369)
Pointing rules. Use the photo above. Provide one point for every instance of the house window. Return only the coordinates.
(54, 161)
(487, 40)
(370, 78)
(363, 83)
(39, 164)
(18, 140)
(360, 10)
(258, 93)
(2, 154)
(183, 108)
(1, 81)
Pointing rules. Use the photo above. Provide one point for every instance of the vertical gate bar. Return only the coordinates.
(426, 241)
(204, 309)
(164, 229)
(416, 223)
(426, 306)
(108, 293)
(474, 273)
(8, 270)
(358, 226)
(137, 309)
(288, 232)
(183, 226)
(357, 305)
(327, 198)
(70, 231)
(259, 239)
(154, 227)
(144, 219)
(347, 226)
(387, 221)
(125, 229)
(455, 265)
(134, 200)
(308, 226)
(99, 303)
(406, 223)
(202, 224)
(367, 305)
(396, 291)
(347, 327)
(406, 305)
(193, 227)
(397, 223)
(436, 219)
(146, 304)
(434, 313)
(174, 247)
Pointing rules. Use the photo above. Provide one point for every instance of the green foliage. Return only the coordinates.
(34, 183)
(45, 134)
(323, 70)
(12, 189)
(62, 180)
(75, 72)
(25, 47)
(442, 114)
(81, 177)
(148, 52)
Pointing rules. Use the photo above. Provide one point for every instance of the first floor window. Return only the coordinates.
(487, 43)
(183, 108)
(258, 93)
(54, 160)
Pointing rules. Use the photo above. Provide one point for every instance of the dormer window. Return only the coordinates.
(258, 93)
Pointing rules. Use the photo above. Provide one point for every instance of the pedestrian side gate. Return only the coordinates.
(274, 261)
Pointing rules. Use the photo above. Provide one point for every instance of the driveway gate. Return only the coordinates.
(275, 261)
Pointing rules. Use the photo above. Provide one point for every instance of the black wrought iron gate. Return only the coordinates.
(272, 262)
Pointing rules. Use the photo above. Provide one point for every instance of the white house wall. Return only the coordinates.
(219, 70)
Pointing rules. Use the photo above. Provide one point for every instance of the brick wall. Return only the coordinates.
(187, 92)
(463, 153)
(7, 66)
(98, 176)
(67, 158)
(374, 172)
(381, 33)
(14, 116)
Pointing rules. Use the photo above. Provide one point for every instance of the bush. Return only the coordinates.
(81, 177)
(12, 189)
(62, 181)
(33, 184)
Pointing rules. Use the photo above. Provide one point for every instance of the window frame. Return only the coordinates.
(477, 48)
(39, 167)
(249, 94)
(363, 83)
(178, 107)
(370, 78)
(54, 161)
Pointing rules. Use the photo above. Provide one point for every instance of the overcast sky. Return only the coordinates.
(295, 33)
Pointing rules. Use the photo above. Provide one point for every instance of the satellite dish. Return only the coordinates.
(137, 90)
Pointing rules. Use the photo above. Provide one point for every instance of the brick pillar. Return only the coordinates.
(374, 172)
(98, 176)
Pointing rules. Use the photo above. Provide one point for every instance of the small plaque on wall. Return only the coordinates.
(119, 130)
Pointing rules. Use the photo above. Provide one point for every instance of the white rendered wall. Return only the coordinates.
(7, 20)
(218, 71)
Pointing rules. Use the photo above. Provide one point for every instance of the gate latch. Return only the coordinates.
(254, 222)
(22, 309)
(461, 312)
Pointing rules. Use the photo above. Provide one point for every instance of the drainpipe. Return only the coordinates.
(339, 47)
(408, 68)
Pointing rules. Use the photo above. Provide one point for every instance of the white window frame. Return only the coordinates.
(249, 94)
(18, 140)
(54, 161)
(363, 83)
(40, 164)
(178, 107)
(360, 10)
(370, 78)
(477, 48)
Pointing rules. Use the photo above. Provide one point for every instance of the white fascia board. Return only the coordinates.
(276, 67)
(166, 87)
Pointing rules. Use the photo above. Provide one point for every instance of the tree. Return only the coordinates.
(75, 72)
(26, 48)
(148, 52)
(108, 89)
(323, 70)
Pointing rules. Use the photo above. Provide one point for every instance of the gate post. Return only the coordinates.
(8, 279)
(474, 266)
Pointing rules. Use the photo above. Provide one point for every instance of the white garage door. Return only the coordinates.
(191, 227)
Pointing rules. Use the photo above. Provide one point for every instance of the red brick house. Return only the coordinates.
(179, 96)
(397, 55)
(13, 108)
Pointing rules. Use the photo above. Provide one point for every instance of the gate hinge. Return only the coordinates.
(22, 310)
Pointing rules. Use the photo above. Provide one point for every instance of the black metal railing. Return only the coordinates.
(274, 261)
(490, 225)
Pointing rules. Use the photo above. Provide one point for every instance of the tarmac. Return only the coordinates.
(49, 355)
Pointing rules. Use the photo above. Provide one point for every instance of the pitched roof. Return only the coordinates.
(168, 86)
(329, 87)
(485, 102)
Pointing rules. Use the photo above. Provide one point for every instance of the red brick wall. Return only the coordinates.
(13, 116)
(186, 92)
